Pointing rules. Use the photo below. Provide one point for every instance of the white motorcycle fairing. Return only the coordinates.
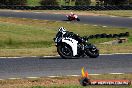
(76, 16)
(72, 43)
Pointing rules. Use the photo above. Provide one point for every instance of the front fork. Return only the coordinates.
(81, 50)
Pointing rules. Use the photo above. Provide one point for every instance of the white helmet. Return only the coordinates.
(72, 13)
(62, 29)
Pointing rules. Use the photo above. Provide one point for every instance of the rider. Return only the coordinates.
(69, 34)
(72, 14)
(62, 30)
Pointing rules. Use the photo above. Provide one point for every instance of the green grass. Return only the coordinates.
(60, 2)
(26, 37)
(33, 2)
(23, 36)
(36, 2)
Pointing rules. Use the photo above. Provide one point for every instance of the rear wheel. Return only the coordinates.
(69, 19)
(65, 51)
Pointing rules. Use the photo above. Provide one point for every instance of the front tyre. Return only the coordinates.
(78, 19)
(65, 51)
(92, 52)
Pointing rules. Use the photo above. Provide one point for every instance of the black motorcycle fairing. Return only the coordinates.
(74, 36)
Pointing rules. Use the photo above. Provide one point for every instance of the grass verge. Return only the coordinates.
(28, 37)
(33, 2)
(60, 2)
(62, 82)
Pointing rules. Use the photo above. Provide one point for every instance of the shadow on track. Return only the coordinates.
(54, 57)
(66, 20)
(58, 57)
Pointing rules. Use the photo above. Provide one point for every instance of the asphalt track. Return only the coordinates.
(56, 66)
(96, 20)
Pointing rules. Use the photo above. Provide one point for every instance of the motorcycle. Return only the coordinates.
(70, 45)
(72, 17)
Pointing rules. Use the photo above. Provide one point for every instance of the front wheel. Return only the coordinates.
(78, 19)
(65, 51)
(92, 51)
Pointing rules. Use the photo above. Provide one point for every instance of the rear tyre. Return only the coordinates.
(69, 19)
(65, 51)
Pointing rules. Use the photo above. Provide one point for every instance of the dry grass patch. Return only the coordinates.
(50, 51)
(22, 83)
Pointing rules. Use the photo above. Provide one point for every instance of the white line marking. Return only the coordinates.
(116, 73)
(63, 76)
(24, 18)
(53, 76)
(10, 57)
(51, 56)
(37, 12)
(116, 54)
(32, 77)
(14, 78)
(58, 55)
(73, 75)
(106, 54)
(123, 53)
(10, 17)
(3, 57)
(95, 25)
(35, 19)
(17, 11)
(94, 74)
(129, 17)
(113, 16)
(104, 26)
(14, 57)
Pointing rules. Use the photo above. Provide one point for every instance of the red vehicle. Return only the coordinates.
(72, 17)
